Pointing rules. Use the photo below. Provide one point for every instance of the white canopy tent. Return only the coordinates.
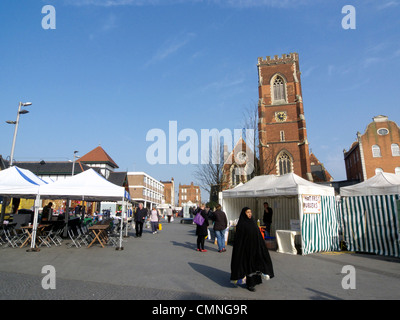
(87, 186)
(18, 182)
(270, 185)
(289, 195)
(370, 213)
(383, 183)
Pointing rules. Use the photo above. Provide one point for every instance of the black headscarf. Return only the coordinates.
(250, 254)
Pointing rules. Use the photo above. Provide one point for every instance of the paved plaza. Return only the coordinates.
(166, 266)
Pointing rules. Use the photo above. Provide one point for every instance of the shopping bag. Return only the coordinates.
(159, 226)
(198, 219)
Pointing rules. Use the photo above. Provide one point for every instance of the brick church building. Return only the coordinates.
(283, 143)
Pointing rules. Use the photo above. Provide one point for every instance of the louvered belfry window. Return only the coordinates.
(279, 89)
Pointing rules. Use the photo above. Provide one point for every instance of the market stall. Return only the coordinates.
(19, 183)
(85, 186)
(16, 182)
(292, 198)
(370, 213)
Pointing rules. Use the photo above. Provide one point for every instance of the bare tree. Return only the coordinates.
(211, 174)
(250, 121)
(268, 163)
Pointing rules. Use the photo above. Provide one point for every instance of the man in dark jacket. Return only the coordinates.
(220, 225)
(47, 212)
(139, 218)
(267, 218)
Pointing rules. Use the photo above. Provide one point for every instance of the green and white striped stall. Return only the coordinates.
(370, 215)
(292, 198)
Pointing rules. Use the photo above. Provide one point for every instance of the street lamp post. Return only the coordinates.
(73, 163)
(21, 104)
(68, 205)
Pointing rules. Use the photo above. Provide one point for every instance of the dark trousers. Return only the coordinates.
(200, 242)
(268, 229)
(138, 228)
(154, 226)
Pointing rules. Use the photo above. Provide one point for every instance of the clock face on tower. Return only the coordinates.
(241, 157)
(280, 116)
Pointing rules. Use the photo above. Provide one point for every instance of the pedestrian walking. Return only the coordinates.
(169, 214)
(139, 218)
(202, 230)
(154, 219)
(251, 261)
(220, 225)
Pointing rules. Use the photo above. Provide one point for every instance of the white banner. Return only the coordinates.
(311, 204)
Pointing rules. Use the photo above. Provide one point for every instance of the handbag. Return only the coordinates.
(198, 219)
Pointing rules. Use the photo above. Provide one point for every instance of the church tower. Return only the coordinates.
(283, 141)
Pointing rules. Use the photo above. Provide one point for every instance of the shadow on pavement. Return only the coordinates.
(187, 244)
(220, 277)
(322, 295)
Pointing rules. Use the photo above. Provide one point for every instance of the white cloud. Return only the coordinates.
(389, 4)
(110, 23)
(222, 84)
(368, 61)
(307, 72)
(170, 47)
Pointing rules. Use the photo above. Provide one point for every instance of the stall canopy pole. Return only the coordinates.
(300, 200)
(34, 228)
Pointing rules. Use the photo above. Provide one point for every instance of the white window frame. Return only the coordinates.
(376, 151)
(395, 150)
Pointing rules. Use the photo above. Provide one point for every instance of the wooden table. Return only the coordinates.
(39, 229)
(100, 234)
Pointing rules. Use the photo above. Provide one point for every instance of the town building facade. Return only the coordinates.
(145, 189)
(169, 192)
(189, 193)
(98, 158)
(378, 149)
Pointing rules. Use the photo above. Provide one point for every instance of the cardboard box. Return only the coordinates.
(270, 242)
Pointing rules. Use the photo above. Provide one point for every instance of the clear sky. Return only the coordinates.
(113, 70)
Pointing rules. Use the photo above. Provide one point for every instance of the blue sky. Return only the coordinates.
(112, 70)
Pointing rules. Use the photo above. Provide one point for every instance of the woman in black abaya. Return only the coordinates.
(251, 261)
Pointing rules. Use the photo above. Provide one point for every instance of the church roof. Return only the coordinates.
(318, 171)
(98, 155)
(239, 146)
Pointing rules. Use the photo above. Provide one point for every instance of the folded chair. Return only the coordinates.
(74, 237)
